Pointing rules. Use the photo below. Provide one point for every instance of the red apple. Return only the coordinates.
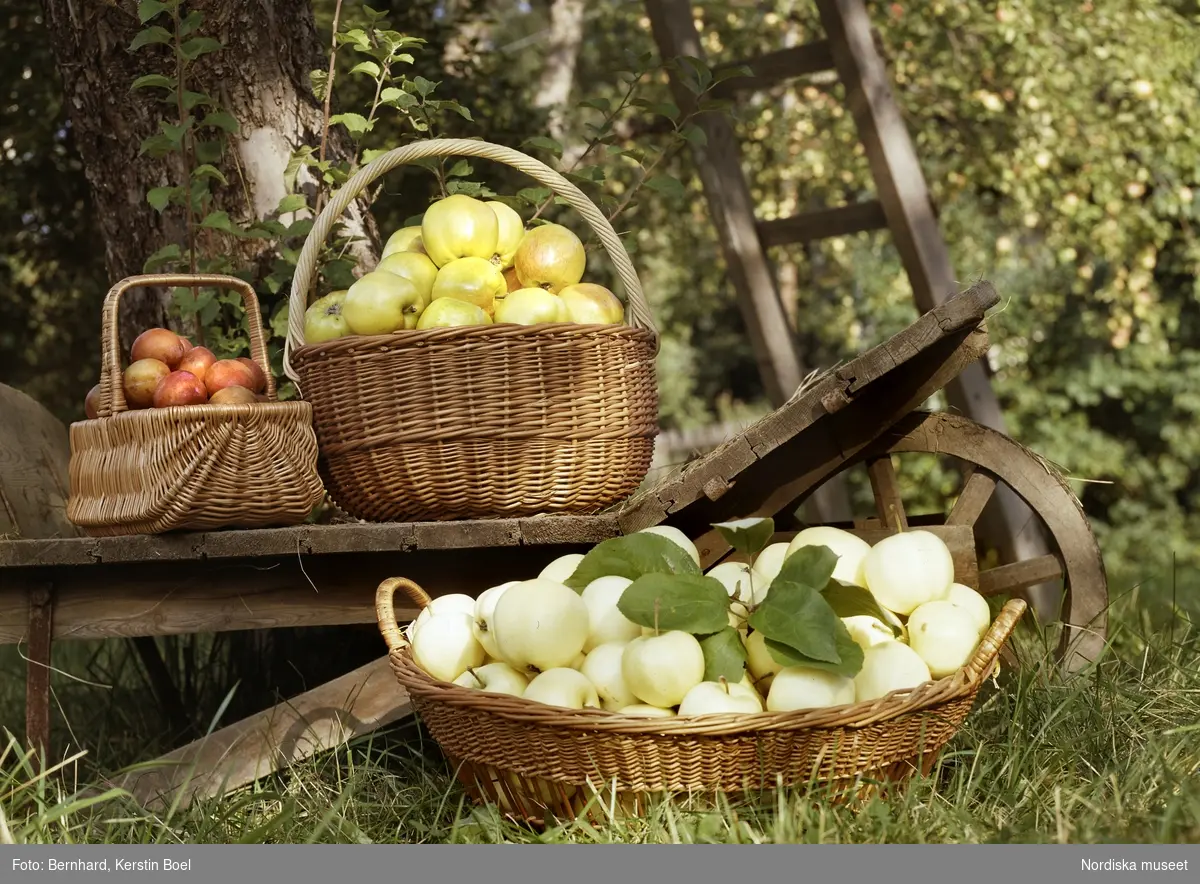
(228, 373)
(158, 343)
(187, 345)
(233, 396)
(260, 377)
(91, 403)
(180, 388)
(140, 381)
(197, 360)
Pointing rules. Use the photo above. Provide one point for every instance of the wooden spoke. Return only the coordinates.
(887, 493)
(977, 491)
(1008, 579)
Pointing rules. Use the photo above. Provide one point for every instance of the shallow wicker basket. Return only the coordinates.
(480, 422)
(148, 471)
(539, 762)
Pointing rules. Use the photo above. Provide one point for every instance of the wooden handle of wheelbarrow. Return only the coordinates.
(982, 663)
(385, 609)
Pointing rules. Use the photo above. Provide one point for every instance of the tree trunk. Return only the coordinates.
(558, 75)
(261, 78)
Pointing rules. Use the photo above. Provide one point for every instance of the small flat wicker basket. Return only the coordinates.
(479, 422)
(539, 762)
(198, 467)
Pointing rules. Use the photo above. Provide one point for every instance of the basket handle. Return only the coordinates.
(385, 611)
(112, 391)
(637, 310)
(984, 659)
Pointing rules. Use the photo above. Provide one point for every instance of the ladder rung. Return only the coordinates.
(775, 67)
(822, 224)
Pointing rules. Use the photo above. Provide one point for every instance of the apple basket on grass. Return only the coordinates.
(201, 466)
(680, 714)
(478, 421)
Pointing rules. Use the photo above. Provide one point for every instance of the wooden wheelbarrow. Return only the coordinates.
(55, 585)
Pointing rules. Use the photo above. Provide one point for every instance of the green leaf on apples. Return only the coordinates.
(849, 653)
(848, 600)
(747, 536)
(685, 602)
(798, 616)
(724, 656)
(634, 556)
(810, 566)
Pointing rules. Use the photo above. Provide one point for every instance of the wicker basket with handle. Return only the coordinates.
(538, 761)
(151, 470)
(485, 421)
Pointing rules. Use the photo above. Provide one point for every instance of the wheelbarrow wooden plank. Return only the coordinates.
(324, 718)
(818, 426)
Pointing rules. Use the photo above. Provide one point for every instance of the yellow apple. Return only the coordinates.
(473, 280)
(459, 226)
(323, 320)
(452, 313)
(416, 268)
(550, 257)
(591, 304)
(512, 231)
(380, 303)
(530, 307)
(406, 239)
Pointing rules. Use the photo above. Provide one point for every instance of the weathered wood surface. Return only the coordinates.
(130, 599)
(324, 718)
(34, 484)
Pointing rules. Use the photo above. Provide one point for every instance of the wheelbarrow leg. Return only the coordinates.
(37, 672)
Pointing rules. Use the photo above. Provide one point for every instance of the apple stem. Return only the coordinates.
(724, 684)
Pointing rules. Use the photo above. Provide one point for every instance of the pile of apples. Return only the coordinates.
(165, 369)
(470, 262)
(543, 640)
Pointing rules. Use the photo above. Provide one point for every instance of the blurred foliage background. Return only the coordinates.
(1057, 138)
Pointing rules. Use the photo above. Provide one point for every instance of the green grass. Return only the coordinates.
(1113, 756)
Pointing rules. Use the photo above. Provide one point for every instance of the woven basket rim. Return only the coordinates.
(205, 411)
(463, 335)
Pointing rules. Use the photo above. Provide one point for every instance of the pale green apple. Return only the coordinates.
(530, 307)
(539, 624)
(473, 280)
(452, 313)
(944, 635)
(661, 669)
(416, 268)
(445, 646)
(716, 698)
(563, 687)
(887, 667)
(380, 303)
(850, 549)
(494, 678)
(590, 304)
(802, 687)
(323, 320)
(908, 569)
(602, 666)
(677, 537)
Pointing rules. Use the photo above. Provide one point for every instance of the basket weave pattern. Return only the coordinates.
(479, 422)
(542, 754)
(197, 467)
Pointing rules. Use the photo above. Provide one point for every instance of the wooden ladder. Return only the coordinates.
(903, 206)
